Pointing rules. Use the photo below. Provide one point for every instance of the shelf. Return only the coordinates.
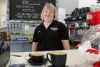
(18, 42)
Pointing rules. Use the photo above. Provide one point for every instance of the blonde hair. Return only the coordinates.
(51, 7)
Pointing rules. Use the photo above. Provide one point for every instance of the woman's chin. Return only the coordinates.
(48, 20)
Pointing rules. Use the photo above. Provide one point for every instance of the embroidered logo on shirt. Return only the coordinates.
(38, 31)
(54, 28)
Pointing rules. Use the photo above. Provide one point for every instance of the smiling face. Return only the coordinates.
(48, 15)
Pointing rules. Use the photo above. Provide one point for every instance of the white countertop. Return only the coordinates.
(74, 59)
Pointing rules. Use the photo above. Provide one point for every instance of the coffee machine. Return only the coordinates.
(4, 54)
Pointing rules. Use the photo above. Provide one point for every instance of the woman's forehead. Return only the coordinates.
(48, 9)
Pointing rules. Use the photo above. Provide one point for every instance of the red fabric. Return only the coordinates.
(95, 20)
(93, 51)
(97, 64)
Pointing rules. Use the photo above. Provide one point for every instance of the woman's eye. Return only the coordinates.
(46, 11)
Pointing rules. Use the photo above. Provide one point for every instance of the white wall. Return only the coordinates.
(69, 5)
(3, 9)
(86, 3)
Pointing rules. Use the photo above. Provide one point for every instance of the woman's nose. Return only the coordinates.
(48, 14)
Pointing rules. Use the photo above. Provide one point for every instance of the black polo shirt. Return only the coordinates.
(50, 38)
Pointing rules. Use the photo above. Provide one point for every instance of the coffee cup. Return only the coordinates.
(37, 57)
(57, 58)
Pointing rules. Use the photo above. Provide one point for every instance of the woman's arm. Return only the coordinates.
(34, 46)
(66, 44)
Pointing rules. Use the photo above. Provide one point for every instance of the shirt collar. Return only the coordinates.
(53, 22)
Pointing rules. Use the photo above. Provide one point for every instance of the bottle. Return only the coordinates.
(8, 36)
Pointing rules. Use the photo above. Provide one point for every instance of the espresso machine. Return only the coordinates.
(77, 25)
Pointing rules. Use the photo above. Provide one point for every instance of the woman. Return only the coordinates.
(51, 34)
